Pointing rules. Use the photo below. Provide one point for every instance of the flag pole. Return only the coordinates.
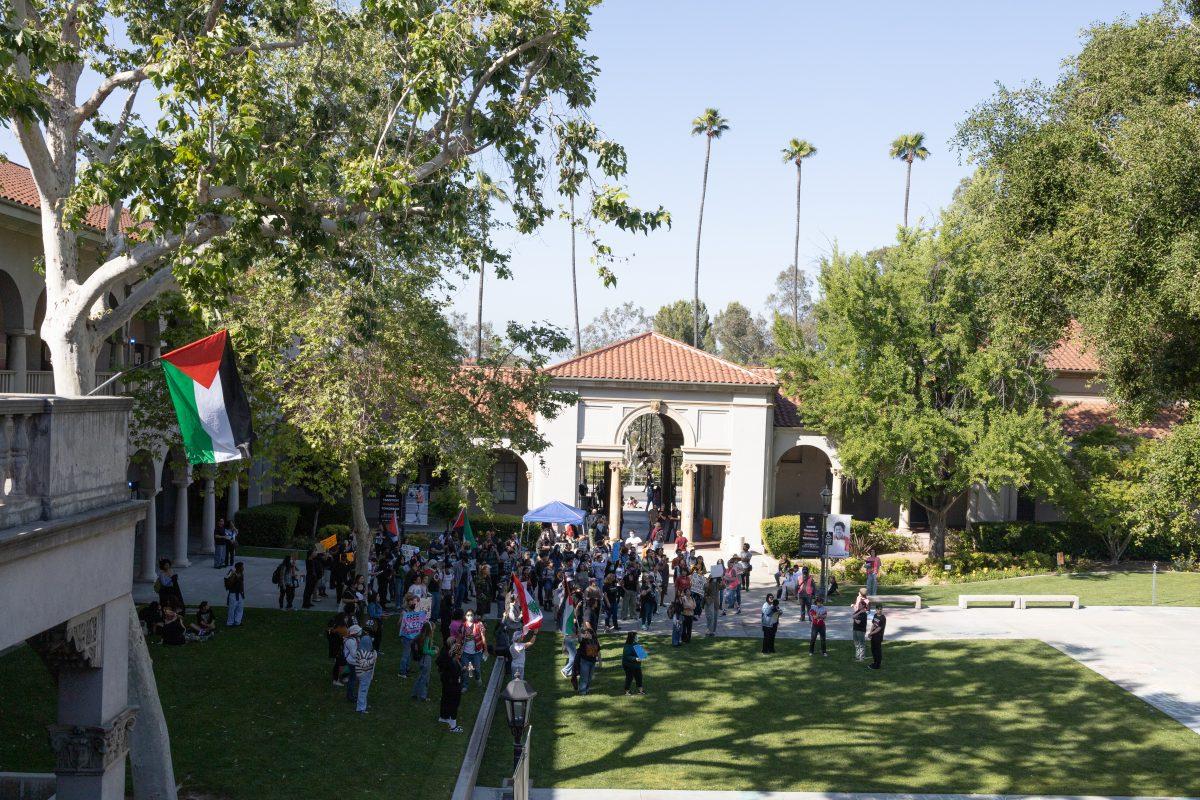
(120, 375)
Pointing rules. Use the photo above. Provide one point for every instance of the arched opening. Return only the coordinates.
(12, 318)
(802, 472)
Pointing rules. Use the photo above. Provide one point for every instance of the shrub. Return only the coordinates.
(269, 525)
(323, 514)
(781, 535)
(503, 524)
(879, 535)
(343, 532)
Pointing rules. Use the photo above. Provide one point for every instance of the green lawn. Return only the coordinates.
(253, 717)
(944, 717)
(1093, 588)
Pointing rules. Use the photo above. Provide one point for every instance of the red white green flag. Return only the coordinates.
(531, 612)
(461, 521)
(213, 412)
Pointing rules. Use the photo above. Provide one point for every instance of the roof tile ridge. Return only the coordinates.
(705, 353)
(598, 351)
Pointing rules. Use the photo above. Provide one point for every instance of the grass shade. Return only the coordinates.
(1005, 717)
(253, 716)
(1093, 588)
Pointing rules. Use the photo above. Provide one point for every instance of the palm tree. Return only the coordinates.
(711, 124)
(796, 151)
(908, 147)
(485, 192)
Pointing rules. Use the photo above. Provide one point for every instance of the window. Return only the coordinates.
(1026, 507)
(504, 482)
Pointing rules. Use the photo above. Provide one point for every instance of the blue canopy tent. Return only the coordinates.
(557, 512)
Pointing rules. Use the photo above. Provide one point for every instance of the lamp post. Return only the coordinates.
(518, 701)
(826, 501)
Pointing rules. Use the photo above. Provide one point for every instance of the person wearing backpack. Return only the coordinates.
(588, 655)
(235, 594)
(364, 662)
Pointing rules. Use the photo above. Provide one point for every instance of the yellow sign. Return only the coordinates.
(328, 542)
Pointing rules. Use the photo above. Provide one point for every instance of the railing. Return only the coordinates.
(42, 382)
(520, 778)
(17, 429)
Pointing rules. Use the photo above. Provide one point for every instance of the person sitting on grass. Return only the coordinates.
(151, 617)
(205, 625)
(174, 632)
(631, 662)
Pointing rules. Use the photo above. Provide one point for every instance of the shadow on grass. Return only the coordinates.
(947, 717)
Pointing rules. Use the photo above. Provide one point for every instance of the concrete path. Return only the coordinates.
(680, 794)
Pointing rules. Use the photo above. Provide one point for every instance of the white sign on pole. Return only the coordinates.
(416, 504)
(837, 536)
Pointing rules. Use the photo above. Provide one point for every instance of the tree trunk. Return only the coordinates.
(72, 346)
(479, 307)
(796, 257)
(150, 744)
(699, 228)
(574, 281)
(907, 186)
(362, 533)
(937, 531)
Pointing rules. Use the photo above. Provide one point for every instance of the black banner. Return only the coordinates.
(389, 502)
(811, 536)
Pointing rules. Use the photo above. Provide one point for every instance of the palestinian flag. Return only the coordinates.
(468, 535)
(214, 415)
(531, 612)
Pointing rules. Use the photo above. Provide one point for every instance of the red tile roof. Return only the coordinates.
(1084, 416)
(17, 186)
(1072, 353)
(653, 357)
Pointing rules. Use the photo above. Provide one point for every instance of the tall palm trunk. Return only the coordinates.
(796, 256)
(699, 228)
(479, 307)
(574, 282)
(907, 186)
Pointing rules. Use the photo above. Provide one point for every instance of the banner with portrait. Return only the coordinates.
(837, 536)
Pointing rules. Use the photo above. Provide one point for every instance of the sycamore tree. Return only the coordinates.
(1090, 191)
(275, 125)
(916, 384)
(1108, 493)
(360, 360)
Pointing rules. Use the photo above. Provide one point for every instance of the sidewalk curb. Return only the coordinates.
(468, 773)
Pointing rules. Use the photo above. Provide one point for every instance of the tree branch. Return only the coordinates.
(161, 281)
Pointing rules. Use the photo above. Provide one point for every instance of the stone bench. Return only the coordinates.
(964, 600)
(1073, 599)
(915, 599)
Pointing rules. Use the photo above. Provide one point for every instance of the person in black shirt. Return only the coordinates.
(878, 624)
(173, 630)
(450, 670)
(858, 629)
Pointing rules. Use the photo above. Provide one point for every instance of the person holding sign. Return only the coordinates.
(412, 620)
(631, 661)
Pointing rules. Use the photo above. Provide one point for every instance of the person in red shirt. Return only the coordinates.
(872, 564)
(681, 543)
(816, 620)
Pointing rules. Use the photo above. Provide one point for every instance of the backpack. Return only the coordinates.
(277, 574)
(230, 581)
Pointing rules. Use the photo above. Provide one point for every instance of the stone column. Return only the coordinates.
(208, 520)
(616, 494)
(902, 523)
(18, 359)
(180, 556)
(150, 539)
(835, 501)
(89, 656)
(233, 501)
(687, 509)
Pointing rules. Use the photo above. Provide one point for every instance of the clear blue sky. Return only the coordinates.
(848, 77)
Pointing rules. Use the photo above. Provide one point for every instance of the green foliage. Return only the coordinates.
(916, 383)
(503, 524)
(879, 535)
(675, 320)
(445, 503)
(343, 532)
(269, 525)
(1086, 186)
(740, 336)
(323, 514)
(1071, 538)
(1109, 488)
(781, 535)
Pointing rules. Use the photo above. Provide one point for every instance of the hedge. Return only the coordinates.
(1071, 538)
(323, 514)
(781, 535)
(270, 525)
(503, 524)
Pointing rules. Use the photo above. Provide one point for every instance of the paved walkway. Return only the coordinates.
(683, 794)
(1152, 652)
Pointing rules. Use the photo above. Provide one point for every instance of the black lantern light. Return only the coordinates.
(518, 702)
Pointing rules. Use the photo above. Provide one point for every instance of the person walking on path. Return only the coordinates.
(365, 659)
(219, 544)
(631, 662)
(858, 629)
(712, 594)
(816, 619)
(872, 564)
(878, 625)
(745, 556)
(451, 672)
(287, 577)
(770, 623)
(235, 594)
(806, 588)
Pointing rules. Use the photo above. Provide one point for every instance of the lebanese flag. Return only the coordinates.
(213, 412)
(531, 612)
